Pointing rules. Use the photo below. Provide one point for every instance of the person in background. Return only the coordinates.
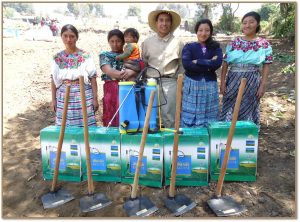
(244, 56)
(131, 49)
(66, 68)
(162, 51)
(201, 59)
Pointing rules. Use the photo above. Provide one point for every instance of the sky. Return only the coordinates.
(117, 10)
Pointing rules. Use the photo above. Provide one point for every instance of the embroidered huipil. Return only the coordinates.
(71, 66)
(256, 52)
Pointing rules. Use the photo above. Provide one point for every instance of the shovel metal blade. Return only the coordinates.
(56, 198)
(93, 202)
(226, 206)
(140, 206)
(179, 204)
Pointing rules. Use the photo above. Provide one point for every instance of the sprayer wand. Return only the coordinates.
(137, 81)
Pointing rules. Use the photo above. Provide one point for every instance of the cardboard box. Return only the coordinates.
(192, 158)
(242, 164)
(105, 153)
(70, 160)
(151, 171)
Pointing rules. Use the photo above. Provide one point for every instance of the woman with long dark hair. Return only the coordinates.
(201, 59)
(67, 66)
(245, 56)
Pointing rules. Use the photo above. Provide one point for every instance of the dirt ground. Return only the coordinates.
(26, 110)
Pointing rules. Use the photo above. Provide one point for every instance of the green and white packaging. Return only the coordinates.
(242, 163)
(192, 158)
(151, 171)
(104, 154)
(70, 160)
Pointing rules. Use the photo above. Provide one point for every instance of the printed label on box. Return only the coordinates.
(133, 163)
(184, 165)
(234, 160)
(63, 160)
(98, 161)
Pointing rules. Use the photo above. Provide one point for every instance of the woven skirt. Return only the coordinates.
(74, 114)
(200, 102)
(249, 109)
(110, 103)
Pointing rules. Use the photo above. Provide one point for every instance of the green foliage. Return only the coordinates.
(289, 69)
(99, 9)
(91, 7)
(73, 8)
(134, 11)
(23, 8)
(265, 27)
(228, 23)
(8, 12)
(204, 10)
(83, 9)
(281, 57)
(284, 22)
(267, 10)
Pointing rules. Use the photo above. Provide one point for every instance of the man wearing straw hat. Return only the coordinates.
(163, 52)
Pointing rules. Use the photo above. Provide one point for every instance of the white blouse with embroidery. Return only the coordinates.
(71, 66)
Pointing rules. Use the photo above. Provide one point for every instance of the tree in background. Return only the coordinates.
(204, 10)
(74, 9)
(22, 8)
(267, 10)
(278, 19)
(8, 12)
(99, 9)
(284, 21)
(85, 10)
(267, 14)
(228, 23)
(134, 10)
(181, 9)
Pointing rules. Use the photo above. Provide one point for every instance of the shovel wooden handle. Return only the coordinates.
(86, 136)
(61, 138)
(142, 146)
(176, 136)
(230, 136)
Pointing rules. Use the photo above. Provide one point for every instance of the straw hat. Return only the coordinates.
(153, 15)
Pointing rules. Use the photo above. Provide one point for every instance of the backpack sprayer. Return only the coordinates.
(135, 94)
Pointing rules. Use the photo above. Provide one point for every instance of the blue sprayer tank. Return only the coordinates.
(132, 115)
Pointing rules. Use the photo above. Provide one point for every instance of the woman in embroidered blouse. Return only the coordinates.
(200, 101)
(244, 55)
(66, 68)
(113, 72)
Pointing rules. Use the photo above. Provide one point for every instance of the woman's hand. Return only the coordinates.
(95, 104)
(194, 61)
(214, 58)
(261, 90)
(128, 75)
(222, 88)
(133, 65)
(53, 105)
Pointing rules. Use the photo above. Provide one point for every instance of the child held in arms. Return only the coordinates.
(131, 50)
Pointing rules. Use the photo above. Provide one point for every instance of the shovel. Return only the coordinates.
(140, 206)
(92, 201)
(226, 206)
(57, 197)
(177, 204)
